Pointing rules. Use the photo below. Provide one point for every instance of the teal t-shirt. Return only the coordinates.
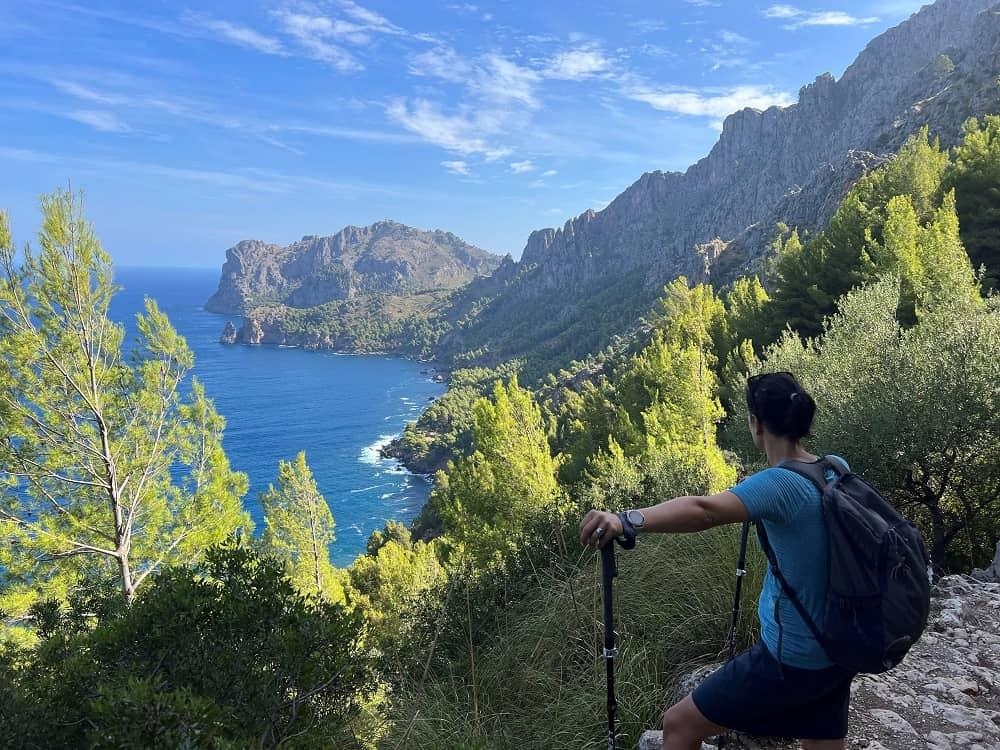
(789, 506)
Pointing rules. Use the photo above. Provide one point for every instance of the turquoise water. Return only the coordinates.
(278, 401)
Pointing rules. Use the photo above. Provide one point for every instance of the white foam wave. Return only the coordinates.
(370, 453)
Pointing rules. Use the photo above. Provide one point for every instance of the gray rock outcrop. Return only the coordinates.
(228, 333)
(990, 574)
(384, 258)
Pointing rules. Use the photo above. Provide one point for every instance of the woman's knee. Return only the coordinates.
(682, 721)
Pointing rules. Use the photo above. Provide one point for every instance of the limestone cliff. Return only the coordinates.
(577, 286)
(384, 258)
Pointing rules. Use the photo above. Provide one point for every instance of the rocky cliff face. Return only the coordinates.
(384, 258)
(791, 164)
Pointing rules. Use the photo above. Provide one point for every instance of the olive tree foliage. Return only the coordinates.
(914, 410)
(108, 468)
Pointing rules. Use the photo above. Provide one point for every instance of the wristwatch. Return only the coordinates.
(632, 522)
(636, 518)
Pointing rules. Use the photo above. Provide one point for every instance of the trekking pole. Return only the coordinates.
(741, 571)
(608, 573)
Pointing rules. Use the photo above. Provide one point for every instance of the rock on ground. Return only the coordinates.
(944, 696)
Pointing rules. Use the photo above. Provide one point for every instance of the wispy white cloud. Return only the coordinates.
(86, 93)
(648, 25)
(313, 32)
(236, 33)
(797, 17)
(443, 63)
(502, 80)
(371, 135)
(519, 167)
(456, 167)
(105, 122)
(462, 133)
(251, 179)
(369, 19)
(577, 64)
(704, 3)
(470, 9)
(549, 173)
(715, 103)
(152, 105)
(728, 49)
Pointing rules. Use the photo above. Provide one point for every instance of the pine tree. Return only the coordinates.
(487, 498)
(975, 176)
(300, 529)
(110, 470)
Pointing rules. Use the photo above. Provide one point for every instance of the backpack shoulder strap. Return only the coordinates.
(816, 471)
(786, 587)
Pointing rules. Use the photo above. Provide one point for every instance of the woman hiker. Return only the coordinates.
(784, 686)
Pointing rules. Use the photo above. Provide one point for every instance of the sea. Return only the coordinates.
(338, 408)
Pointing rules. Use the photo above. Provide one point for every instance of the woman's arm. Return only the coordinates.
(694, 513)
(677, 516)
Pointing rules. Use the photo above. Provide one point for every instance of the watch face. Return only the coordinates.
(635, 518)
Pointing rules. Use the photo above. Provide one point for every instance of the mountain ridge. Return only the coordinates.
(715, 220)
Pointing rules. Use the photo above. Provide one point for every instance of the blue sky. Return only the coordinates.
(190, 127)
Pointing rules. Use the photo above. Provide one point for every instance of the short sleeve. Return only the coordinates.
(773, 494)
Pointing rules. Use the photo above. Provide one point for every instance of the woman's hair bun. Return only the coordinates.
(783, 406)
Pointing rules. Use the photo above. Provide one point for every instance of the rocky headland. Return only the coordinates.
(358, 290)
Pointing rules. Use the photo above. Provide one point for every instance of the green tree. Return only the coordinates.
(746, 310)
(110, 470)
(975, 177)
(224, 654)
(300, 529)
(929, 259)
(915, 410)
(809, 277)
(487, 498)
(391, 584)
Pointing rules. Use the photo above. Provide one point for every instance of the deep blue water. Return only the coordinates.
(278, 401)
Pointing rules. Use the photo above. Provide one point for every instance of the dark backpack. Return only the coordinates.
(878, 593)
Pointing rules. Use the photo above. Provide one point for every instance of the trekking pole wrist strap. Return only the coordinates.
(628, 536)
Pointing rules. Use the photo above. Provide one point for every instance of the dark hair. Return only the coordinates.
(781, 404)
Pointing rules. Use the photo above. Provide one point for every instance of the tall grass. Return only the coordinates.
(540, 679)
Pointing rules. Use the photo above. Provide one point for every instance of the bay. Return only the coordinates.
(278, 401)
